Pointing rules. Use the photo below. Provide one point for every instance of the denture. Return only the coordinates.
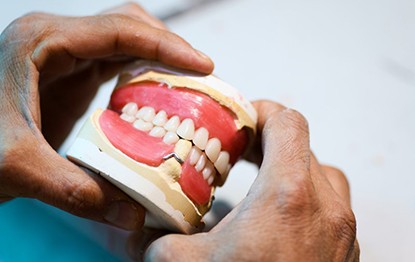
(168, 138)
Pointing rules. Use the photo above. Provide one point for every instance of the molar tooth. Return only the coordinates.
(146, 113)
(160, 119)
(128, 118)
(194, 155)
(170, 138)
(172, 124)
(201, 163)
(222, 162)
(201, 138)
(157, 131)
(142, 125)
(208, 171)
(213, 147)
(210, 180)
(130, 109)
(186, 129)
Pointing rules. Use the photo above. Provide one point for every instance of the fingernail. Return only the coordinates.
(202, 55)
(123, 214)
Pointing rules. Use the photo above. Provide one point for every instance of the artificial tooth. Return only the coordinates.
(186, 129)
(194, 155)
(127, 118)
(170, 138)
(210, 180)
(212, 149)
(130, 109)
(146, 113)
(157, 131)
(201, 163)
(208, 171)
(160, 119)
(201, 138)
(222, 162)
(142, 125)
(172, 124)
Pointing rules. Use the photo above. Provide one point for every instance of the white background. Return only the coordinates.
(348, 66)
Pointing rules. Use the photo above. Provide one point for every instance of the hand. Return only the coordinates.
(296, 210)
(50, 69)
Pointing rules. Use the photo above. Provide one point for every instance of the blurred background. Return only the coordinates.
(348, 66)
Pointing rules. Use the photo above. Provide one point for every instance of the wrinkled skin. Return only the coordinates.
(296, 210)
(50, 69)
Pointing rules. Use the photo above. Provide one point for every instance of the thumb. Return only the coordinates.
(37, 171)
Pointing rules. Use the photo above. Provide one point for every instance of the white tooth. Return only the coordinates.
(142, 125)
(157, 131)
(172, 124)
(201, 138)
(208, 171)
(146, 113)
(213, 147)
(127, 118)
(210, 180)
(160, 119)
(170, 138)
(186, 129)
(194, 155)
(201, 163)
(222, 162)
(130, 109)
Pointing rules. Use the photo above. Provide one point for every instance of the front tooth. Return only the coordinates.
(194, 155)
(213, 147)
(127, 118)
(172, 124)
(186, 129)
(222, 162)
(201, 163)
(130, 109)
(208, 171)
(142, 125)
(170, 138)
(201, 138)
(210, 180)
(160, 119)
(157, 131)
(146, 113)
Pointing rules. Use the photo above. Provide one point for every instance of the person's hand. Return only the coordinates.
(50, 69)
(296, 210)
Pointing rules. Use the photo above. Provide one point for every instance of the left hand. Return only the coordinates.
(296, 210)
(50, 68)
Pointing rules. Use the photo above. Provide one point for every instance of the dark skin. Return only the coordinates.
(296, 210)
(51, 68)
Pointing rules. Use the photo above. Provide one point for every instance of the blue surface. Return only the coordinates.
(29, 231)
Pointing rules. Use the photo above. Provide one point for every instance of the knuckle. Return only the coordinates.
(343, 225)
(82, 198)
(296, 120)
(294, 196)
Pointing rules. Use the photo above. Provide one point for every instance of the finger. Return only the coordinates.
(34, 170)
(139, 241)
(115, 34)
(285, 139)
(136, 11)
(338, 181)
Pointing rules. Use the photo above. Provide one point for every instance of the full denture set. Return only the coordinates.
(167, 139)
